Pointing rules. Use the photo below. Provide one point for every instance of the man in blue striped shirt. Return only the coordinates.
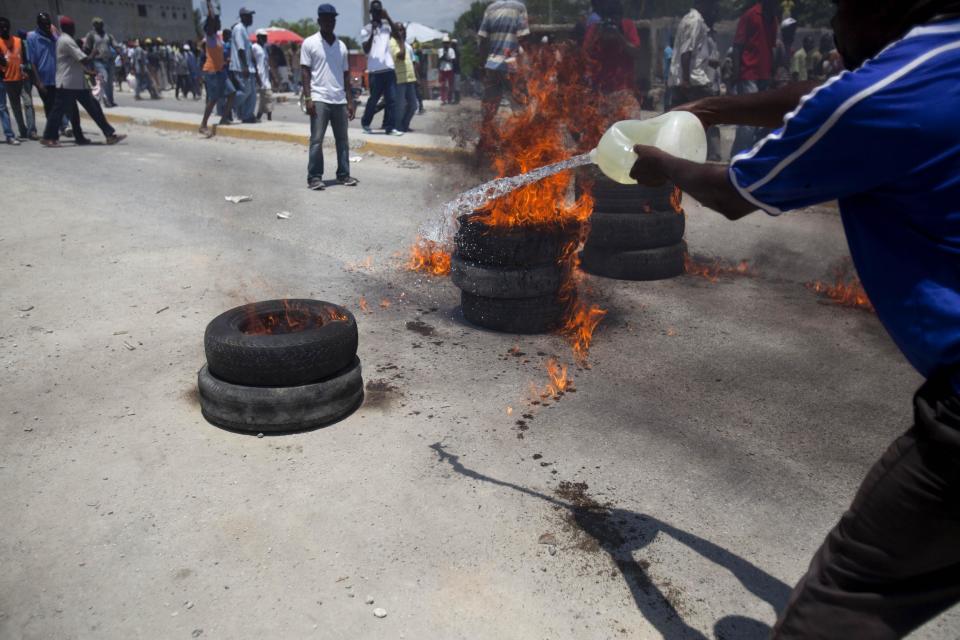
(883, 139)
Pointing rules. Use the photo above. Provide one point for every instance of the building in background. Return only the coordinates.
(171, 20)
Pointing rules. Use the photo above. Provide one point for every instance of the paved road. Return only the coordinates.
(725, 425)
(434, 121)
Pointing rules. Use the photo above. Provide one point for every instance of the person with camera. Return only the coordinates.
(381, 69)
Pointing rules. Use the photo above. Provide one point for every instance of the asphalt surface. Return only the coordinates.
(718, 434)
(433, 121)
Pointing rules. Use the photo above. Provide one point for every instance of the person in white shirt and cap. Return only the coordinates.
(262, 63)
(242, 69)
(447, 55)
(380, 69)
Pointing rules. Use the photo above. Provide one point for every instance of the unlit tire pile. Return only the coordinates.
(635, 233)
(510, 278)
(281, 366)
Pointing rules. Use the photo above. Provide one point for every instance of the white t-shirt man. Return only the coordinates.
(693, 36)
(379, 58)
(327, 63)
(263, 69)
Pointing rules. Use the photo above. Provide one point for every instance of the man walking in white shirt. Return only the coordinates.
(380, 69)
(262, 62)
(325, 69)
(242, 69)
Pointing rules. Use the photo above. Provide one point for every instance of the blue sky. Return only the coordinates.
(439, 14)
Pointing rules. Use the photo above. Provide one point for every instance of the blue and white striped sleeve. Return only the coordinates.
(839, 142)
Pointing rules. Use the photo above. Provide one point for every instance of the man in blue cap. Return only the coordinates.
(325, 67)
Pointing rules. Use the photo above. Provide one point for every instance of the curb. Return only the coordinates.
(421, 154)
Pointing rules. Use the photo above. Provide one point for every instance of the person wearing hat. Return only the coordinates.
(42, 56)
(103, 51)
(243, 71)
(72, 89)
(380, 69)
(325, 70)
(445, 61)
(262, 63)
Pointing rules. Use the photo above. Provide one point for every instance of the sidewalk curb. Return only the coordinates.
(421, 154)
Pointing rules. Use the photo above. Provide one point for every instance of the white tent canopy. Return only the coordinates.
(423, 33)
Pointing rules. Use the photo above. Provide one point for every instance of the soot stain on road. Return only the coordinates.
(192, 396)
(422, 328)
(380, 394)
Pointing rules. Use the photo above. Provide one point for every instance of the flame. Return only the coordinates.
(291, 319)
(363, 305)
(676, 200)
(385, 304)
(846, 293)
(429, 257)
(554, 125)
(712, 270)
(509, 411)
(558, 377)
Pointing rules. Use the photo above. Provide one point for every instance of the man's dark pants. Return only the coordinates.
(336, 116)
(13, 90)
(49, 99)
(893, 561)
(66, 101)
(382, 83)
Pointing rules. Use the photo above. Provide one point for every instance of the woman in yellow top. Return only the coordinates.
(406, 77)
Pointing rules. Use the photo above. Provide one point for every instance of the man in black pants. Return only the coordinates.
(72, 89)
(42, 58)
(883, 140)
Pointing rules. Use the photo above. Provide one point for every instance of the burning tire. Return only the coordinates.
(513, 315)
(499, 282)
(631, 231)
(512, 247)
(281, 409)
(280, 343)
(510, 278)
(638, 265)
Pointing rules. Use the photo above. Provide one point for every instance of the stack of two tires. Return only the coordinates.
(636, 233)
(283, 382)
(510, 278)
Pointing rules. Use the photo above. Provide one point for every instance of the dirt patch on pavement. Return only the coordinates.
(380, 394)
(421, 327)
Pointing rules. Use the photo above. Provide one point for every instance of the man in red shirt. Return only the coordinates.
(613, 44)
(753, 60)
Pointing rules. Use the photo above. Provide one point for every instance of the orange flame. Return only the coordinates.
(429, 257)
(676, 200)
(712, 270)
(293, 318)
(842, 292)
(363, 305)
(554, 125)
(385, 304)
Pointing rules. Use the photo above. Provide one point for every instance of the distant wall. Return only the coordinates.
(171, 20)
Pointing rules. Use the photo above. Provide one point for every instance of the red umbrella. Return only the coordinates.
(276, 35)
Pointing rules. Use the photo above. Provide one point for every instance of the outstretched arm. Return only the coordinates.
(765, 109)
(708, 183)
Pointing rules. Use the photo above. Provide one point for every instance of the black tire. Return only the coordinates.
(522, 315)
(641, 265)
(498, 282)
(624, 231)
(280, 409)
(613, 197)
(280, 360)
(514, 246)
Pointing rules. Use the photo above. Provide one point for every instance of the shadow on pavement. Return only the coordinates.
(619, 533)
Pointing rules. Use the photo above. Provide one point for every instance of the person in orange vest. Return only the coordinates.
(11, 50)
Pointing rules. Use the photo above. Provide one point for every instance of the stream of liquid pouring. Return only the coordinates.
(442, 228)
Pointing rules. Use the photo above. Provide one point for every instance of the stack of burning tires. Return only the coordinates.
(511, 277)
(636, 233)
(281, 366)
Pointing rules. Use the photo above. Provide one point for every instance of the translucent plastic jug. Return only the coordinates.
(679, 133)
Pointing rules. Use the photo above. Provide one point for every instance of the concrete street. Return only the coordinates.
(720, 431)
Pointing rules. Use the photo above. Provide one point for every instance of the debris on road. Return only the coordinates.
(356, 158)
(284, 215)
(369, 600)
(380, 613)
(548, 538)
(25, 309)
(162, 310)
(238, 199)
(129, 346)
